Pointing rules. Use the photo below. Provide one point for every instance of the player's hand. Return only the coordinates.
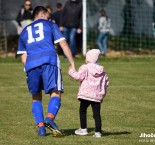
(79, 31)
(72, 66)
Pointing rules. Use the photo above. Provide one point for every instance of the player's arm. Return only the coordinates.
(22, 50)
(78, 75)
(59, 38)
(23, 58)
(67, 52)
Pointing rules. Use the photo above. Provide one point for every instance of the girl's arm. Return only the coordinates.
(105, 84)
(80, 75)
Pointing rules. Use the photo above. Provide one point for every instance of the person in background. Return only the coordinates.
(56, 17)
(24, 16)
(104, 28)
(71, 22)
(50, 10)
(93, 87)
(153, 29)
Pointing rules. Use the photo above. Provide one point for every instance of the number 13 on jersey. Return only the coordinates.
(39, 31)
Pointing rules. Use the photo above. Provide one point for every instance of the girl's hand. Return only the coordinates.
(72, 67)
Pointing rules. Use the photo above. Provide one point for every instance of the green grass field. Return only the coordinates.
(127, 111)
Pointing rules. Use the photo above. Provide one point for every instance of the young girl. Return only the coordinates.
(104, 28)
(93, 87)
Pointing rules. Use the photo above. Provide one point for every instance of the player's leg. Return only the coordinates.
(34, 82)
(37, 111)
(53, 85)
(53, 108)
(83, 118)
(54, 104)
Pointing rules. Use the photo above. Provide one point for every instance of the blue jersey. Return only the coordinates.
(37, 40)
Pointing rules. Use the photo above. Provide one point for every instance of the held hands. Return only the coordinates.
(72, 66)
(71, 70)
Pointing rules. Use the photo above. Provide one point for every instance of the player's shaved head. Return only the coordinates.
(38, 10)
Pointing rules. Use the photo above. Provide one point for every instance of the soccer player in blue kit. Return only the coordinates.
(42, 65)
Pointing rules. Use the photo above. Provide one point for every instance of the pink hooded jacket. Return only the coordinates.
(93, 82)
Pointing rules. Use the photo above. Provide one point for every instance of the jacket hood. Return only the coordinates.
(95, 69)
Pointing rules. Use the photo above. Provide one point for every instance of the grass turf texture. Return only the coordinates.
(127, 111)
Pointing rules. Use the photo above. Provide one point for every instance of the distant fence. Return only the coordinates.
(132, 23)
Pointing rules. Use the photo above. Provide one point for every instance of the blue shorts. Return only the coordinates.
(46, 77)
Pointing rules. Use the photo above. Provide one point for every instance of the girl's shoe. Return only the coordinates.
(81, 131)
(97, 134)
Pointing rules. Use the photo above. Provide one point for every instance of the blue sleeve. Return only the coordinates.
(57, 35)
(21, 47)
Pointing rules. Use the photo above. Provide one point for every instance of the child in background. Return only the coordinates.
(93, 86)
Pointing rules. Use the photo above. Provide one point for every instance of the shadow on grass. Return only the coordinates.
(48, 134)
(68, 132)
(115, 133)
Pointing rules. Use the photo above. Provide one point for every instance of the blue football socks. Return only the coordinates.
(53, 107)
(37, 111)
